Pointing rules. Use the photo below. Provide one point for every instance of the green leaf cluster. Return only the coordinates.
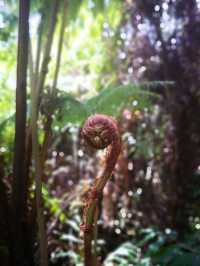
(110, 101)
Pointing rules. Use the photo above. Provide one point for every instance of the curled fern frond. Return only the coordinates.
(99, 131)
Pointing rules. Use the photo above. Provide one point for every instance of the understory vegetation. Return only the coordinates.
(135, 61)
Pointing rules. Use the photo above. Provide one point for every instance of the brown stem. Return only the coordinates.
(47, 50)
(47, 135)
(39, 46)
(88, 250)
(38, 180)
(60, 44)
(100, 131)
(19, 177)
(36, 158)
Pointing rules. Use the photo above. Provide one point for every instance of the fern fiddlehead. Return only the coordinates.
(99, 131)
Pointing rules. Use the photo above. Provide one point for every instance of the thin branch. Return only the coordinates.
(31, 66)
(47, 49)
(38, 180)
(60, 45)
(54, 85)
(42, 239)
(39, 46)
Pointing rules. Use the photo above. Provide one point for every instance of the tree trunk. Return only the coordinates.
(19, 252)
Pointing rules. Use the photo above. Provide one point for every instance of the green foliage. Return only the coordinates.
(87, 61)
(7, 117)
(164, 249)
(156, 248)
(114, 99)
(88, 64)
(111, 101)
(70, 110)
(98, 5)
(125, 254)
(185, 253)
(73, 9)
(75, 259)
(7, 132)
(8, 20)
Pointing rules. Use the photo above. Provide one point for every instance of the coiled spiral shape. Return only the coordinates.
(99, 131)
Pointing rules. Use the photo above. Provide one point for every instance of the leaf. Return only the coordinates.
(125, 253)
(73, 8)
(70, 254)
(70, 238)
(70, 110)
(7, 130)
(149, 236)
(113, 99)
(167, 254)
(98, 6)
(73, 225)
(5, 121)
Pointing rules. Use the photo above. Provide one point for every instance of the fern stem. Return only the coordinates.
(100, 131)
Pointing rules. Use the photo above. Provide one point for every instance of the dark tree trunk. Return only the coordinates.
(20, 252)
(187, 133)
(179, 63)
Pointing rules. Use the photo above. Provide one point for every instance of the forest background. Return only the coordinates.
(138, 61)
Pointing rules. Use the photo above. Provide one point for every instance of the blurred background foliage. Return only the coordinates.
(139, 62)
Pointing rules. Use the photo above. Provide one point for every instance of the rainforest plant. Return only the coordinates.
(99, 131)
